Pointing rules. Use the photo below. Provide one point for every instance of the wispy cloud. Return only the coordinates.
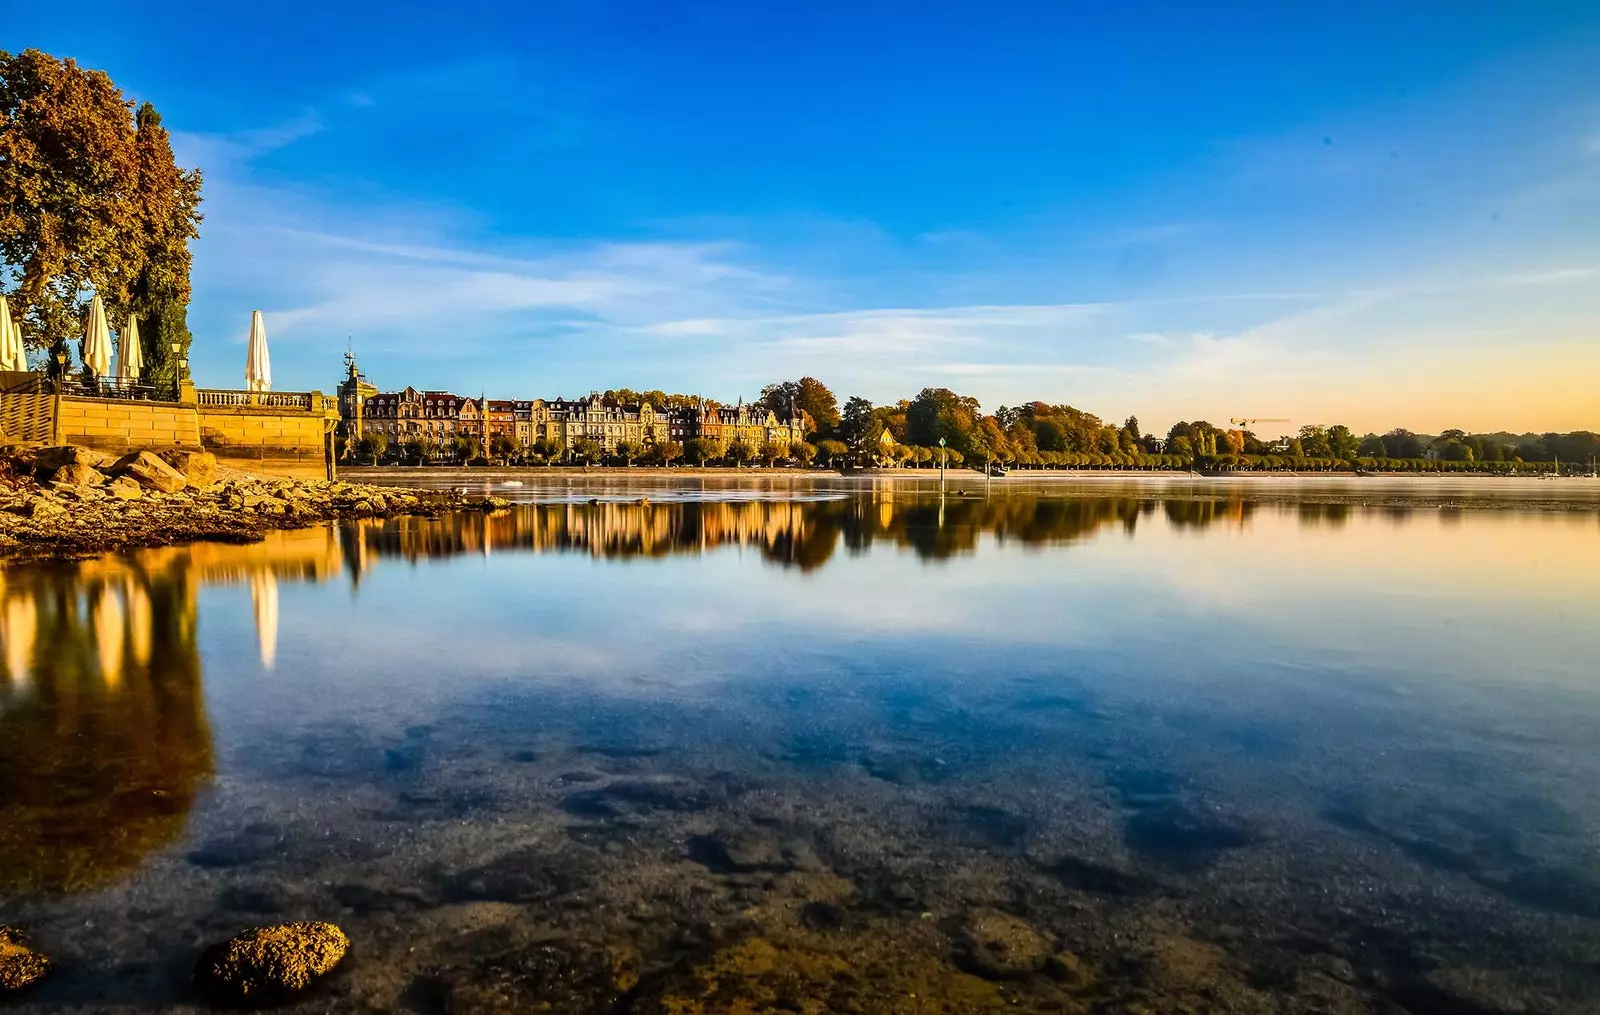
(1554, 276)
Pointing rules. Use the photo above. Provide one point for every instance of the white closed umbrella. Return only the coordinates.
(97, 340)
(12, 356)
(130, 357)
(257, 364)
(264, 597)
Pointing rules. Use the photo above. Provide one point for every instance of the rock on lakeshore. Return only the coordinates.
(151, 472)
(269, 965)
(20, 965)
(71, 502)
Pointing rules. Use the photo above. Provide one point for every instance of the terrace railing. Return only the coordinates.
(263, 399)
(112, 387)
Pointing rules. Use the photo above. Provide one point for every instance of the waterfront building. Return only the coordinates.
(353, 395)
(410, 414)
(754, 425)
(440, 416)
(566, 422)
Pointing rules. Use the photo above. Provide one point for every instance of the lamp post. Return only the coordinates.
(942, 456)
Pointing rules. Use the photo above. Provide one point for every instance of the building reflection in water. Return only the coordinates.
(801, 534)
(104, 741)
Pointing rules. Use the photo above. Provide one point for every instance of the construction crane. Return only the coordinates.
(1261, 419)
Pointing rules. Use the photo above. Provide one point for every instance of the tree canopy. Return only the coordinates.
(91, 201)
(810, 396)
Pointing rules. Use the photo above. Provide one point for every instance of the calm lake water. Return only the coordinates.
(777, 746)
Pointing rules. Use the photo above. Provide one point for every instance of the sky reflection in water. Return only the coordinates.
(1098, 675)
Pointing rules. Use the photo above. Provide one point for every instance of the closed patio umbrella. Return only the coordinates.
(97, 340)
(130, 357)
(264, 597)
(12, 356)
(257, 365)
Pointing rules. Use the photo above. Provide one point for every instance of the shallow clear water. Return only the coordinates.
(776, 746)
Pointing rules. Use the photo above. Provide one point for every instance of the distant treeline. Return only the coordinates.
(1039, 434)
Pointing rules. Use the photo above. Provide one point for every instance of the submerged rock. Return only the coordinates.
(19, 964)
(999, 946)
(270, 965)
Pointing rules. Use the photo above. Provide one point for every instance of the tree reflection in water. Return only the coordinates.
(104, 742)
(103, 735)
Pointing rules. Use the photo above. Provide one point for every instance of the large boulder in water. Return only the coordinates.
(150, 472)
(270, 965)
(20, 965)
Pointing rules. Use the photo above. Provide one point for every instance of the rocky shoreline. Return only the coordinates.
(67, 502)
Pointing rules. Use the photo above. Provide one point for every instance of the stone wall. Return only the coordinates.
(275, 436)
(115, 424)
(259, 432)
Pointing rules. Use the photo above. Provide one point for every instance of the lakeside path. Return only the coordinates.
(541, 483)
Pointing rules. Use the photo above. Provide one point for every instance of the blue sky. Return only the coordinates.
(1380, 216)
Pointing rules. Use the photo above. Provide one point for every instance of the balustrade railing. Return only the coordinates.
(264, 399)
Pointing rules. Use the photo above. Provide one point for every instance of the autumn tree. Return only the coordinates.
(159, 296)
(832, 451)
(588, 449)
(809, 395)
(91, 200)
(700, 449)
(666, 452)
(629, 450)
(547, 449)
(855, 422)
(940, 412)
(739, 452)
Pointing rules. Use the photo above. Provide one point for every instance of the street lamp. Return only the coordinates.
(942, 456)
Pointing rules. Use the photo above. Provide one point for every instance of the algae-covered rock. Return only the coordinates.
(19, 964)
(270, 965)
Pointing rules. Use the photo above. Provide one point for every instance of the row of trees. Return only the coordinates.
(1040, 434)
(91, 202)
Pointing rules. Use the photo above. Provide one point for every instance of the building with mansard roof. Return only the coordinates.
(565, 422)
(754, 425)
